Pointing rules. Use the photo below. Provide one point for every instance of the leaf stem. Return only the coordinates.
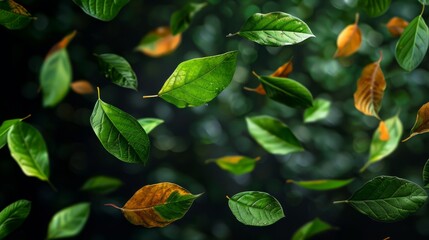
(357, 18)
(342, 201)
(52, 186)
(255, 74)
(151, 96)
(228, 197)
(250, 89)
(98, 92)
(423, 9)
(231, 34)
(22, 119)
(113, 205)
(289, 181)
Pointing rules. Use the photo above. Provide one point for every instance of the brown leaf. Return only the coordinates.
(82, 87)
(396, 26)
(62, 44)
(349, 40)
(284, 70)
(384, 132)
(159, 42)
(422, 122)
(370, 89)
(16, 8)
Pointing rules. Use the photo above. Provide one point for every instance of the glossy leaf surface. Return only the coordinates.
(149, 124)
(118, 70)
(12, 216)
(101, 184)
(375, 8)
(69, 221)
(182, 18)
(312, 228)
(322, 184)
(426, 174)
(105, 10)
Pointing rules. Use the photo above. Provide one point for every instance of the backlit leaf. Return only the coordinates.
(105, 10)
(28, 148)
(12, 216)
(69, 221)
(4, 129)
(426, 174)
(318, 111)
(388, 199)
(322, 184)
(396, 26)
(157, 205)
(82, 87)
(370, 89)
(275, 29)
(236, 164)
(312, 228)
(182, 18)
(273, 135)
(374, 8)
(413, 44)
(56, 73)
(255, 208)
(101, 184)
(120, 133)
(422, 122)
(349, 40)
(13, 15)
(159, 42)
(149, 124)
(118, 70)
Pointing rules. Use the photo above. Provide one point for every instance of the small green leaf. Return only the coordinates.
(322, 184)
(12, 216)
(426, 174)
(424, 2)
(149, 124)
(255, 208)
(105, 10)
(310, 229)
(388, 199)
(374, 8)
(28, 148)
(198, 81)
(4, 129)
(318, 111)
(413, 44)
(14, 16)
(120, 133)
(118, 70)
(69, 221)
(236, 164)
(275, 29)
(273, 135)
(182, 18)
(101, 184)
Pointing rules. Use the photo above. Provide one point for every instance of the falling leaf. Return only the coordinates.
(349, 40)
(157, 205)
(322, 184)
(259, 89)
(426, 174)
(396, 26)
(370, 89)
(14, 16)
(159, 42)
(236, 164)
(118, 70)
(82, 87)
(182, 18)
(318, 111)
(424, 2)
(374, 8)
(101, 184)
(284, 70)
(384, 132)
(422, 122)
(310, 229)
(69, 221)
(105, 10)
(12, 216)
(149, 124)
(4, 129)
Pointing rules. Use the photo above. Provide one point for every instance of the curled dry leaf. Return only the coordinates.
(159, 42)
(396, 26)
(384, 132)
(82, 87)
(422, 122)
(349, 40)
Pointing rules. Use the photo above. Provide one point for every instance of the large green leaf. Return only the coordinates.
(287, 91)
(28, 148)
(13, 15)
(322, 184)
(426, 174)
(120, 133)
(104, 10)
(273, 135)
(197, 81)
(310, 229)
(255, 208)
(374, 8)
(236, 164)
(4, 129)
(118, 70)
(101, 184)
(13, 216)
(318, 111)
(149, 124)
(388, 199)
(275, 29)
(182, 18)
(413, 44)
(69, 221)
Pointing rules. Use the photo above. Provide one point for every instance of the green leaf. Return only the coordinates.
(322, 184)
(120, 133)
(28, 148)
(255, 208)
(273, 135)
(287, 91)
(424, 2)
(197, 81)
(13, 15)
(101, 184)
(275, 29)
(149, 124)
(182, 18)
(12, 216)
(69, 221)
(312, 228)
(374, 8)
(118, 70)
(4, 129)
(379, 148)
(236, 164)
(413, 44)
(105, 10)
(318, 111)
(426, 174)
(388, 199)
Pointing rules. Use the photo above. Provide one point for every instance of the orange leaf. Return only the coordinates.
(349, 40)
(384, 132)
(159, 42)
(284, 70)
(259, 89)
(396, 26)
(82, 87)
(370, 89)
(62, 44)
(422, 122)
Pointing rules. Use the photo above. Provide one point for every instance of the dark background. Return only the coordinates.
(335, 148)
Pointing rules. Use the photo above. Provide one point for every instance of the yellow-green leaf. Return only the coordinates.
(236, 164)
(322, 184)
